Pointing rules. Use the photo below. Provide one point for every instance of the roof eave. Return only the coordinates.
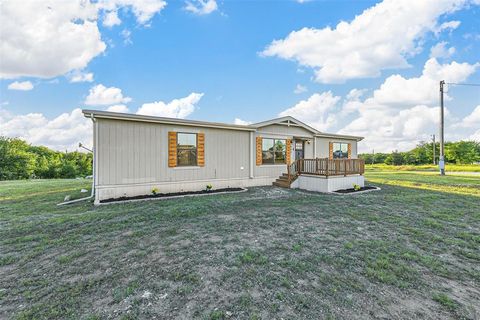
(174, 121)
(341, 136)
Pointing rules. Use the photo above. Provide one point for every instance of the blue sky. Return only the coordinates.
(217, 61)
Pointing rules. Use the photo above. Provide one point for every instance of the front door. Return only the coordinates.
(299, 149)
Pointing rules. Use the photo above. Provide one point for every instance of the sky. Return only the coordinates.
(366, 68)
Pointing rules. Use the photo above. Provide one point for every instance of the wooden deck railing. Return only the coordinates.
(325, 167)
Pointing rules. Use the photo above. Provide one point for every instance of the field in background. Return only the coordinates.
(407, 251)
(425, 167)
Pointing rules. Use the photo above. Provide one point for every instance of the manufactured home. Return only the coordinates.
(135, 153)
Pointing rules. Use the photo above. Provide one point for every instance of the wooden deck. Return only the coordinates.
(321, 167)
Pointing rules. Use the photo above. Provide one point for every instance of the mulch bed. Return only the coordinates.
(351, 190)
(173, 194)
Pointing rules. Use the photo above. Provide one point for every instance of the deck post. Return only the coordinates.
(326, 167)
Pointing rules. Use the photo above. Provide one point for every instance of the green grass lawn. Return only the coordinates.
(425, 167)
(408, 251)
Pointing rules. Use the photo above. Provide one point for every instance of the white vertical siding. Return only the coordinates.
(322, 146)
(137, 152)
(285, 130)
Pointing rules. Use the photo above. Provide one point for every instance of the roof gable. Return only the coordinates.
(287, 121)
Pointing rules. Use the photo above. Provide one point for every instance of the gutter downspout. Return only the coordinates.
(92, 194)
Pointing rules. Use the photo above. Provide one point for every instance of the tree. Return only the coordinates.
(463, 152)
(16, 162)
(395, 158)
(19, 160)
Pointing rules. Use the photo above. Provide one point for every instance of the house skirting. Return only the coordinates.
(324, 184)
(103, 192)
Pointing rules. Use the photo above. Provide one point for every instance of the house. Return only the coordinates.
(135, 153)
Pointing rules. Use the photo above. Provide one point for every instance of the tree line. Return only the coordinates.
(461, 152)
(20, 160)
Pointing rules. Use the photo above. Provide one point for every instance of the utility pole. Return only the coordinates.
(441, 159)
(434, 147)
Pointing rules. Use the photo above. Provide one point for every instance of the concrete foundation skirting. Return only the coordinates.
(324, 184)
(137, 189)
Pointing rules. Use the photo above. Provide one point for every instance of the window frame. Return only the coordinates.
(182, 149)
(333, 149)
(274, 152)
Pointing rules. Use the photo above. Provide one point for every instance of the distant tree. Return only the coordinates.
(371, 158)
(16, 162)
(463, 152)
(19, 160)
(395, 158)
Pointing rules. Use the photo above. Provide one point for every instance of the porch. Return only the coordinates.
(323, 174)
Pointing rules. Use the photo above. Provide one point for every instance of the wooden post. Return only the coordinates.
(288, 173)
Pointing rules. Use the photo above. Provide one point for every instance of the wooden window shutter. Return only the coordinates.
(289, 151)
(172, 149)
(259, 151)
(349, 151)
(201, 149)
(330, 150)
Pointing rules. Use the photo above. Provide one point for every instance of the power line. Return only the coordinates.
(464, 84)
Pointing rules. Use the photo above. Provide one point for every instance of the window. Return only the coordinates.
(340, 150)
(274, 151)
(186, 149)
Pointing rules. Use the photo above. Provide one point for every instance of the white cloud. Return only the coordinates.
(449, 25)
(382, 37)
(118, 108)
(399, 91)
(61, 133)
(111, 19)
(352, 102)
(144, 10)
(23, 86)
(241, 122)
(404, 111)
(47, 38)
(440, 50)
(100, 95)
(177, 108)
(127, 36)
(201, 7)
(473, 119)
(300, 89)
(79, 76)
(315, 110)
